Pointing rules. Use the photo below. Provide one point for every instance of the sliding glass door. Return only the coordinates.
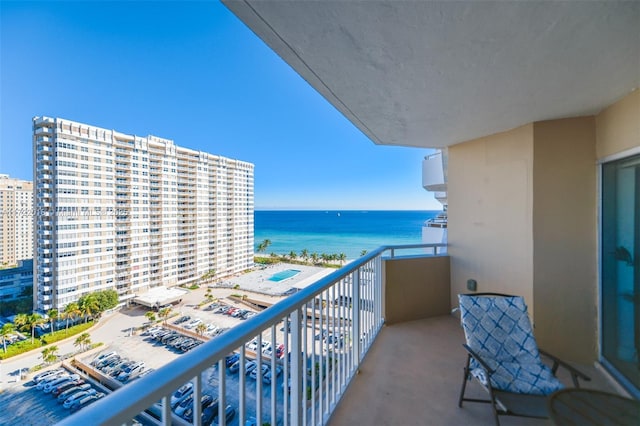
(621, 268)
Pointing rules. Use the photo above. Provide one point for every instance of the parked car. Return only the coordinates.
(267, 377)
(249, 367)
(130, 371)
(263, 370)
(71, 391)
(181, 393)
(229, 413)
(86, 400)
(50, 378)
(77, 397)
(102, 357)
(41, 376)
(191, 324)
(182, 406)
(209, 413)
(112, 360)
(182, 319)
(66, 385)
(233, 368)
(61, 379)
(230, 359)
(205, 401)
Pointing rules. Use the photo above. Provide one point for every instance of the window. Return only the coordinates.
(620, 268)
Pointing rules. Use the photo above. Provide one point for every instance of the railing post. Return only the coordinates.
(197, 394)
(296, 367)
(355, 320)
(166, 411)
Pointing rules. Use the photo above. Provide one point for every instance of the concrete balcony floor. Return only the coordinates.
(412, 376)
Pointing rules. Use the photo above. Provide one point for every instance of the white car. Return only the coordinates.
(77, 397)
(181, 393)
(191, 324)
(61, 379)
(131, 371)
(44, 382)
(86, 400)
(41, 376)
(102, 356)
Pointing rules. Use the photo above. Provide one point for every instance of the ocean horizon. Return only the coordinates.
(337, 231)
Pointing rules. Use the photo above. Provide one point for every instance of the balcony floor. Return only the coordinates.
(412, 376)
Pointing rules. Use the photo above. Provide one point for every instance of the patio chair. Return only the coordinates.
(504, 357)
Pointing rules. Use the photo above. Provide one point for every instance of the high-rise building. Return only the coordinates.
(16, 220)
(123, 212)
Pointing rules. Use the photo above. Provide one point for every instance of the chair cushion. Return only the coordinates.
(531, 379)
(498, 329)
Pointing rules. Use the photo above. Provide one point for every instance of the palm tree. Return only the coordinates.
(53, 317)
(363, 252)
(33, 321)
(20, 321)
(5, 331)
(264, 245)
(70, 311)
(164, 313)
(292, 255)
(88, 306)
(314, 257)
(83, 340)
(201, 328)
(342, 257)
(304, 254)
(151, 316)
(49, 354)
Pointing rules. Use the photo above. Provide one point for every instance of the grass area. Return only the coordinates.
(26, 345)
(279, 259)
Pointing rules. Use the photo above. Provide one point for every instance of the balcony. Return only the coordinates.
(412, 369)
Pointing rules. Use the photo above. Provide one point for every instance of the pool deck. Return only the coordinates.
(258, 281)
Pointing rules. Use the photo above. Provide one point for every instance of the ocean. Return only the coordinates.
(335, 232)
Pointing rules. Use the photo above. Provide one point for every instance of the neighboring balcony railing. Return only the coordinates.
(304, 351)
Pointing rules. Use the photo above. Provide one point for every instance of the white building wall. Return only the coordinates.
(126, 212)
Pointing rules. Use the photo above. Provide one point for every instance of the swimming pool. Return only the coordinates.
(284, 275)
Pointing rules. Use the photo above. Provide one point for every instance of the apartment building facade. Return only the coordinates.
(131, 213)
(16, 224)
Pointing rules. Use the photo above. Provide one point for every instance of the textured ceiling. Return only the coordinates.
(435, 73)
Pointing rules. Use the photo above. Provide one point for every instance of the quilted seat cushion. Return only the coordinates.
(531, 379)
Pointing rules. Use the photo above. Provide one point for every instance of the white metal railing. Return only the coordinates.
(311, 345)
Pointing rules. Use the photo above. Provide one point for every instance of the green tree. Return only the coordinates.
(292, 255)
(20, 321)
(363, 252)
(342, 257)
(107, 299)
(304, 254)
(314, 258)
(151, 316)
(164, 314)
(49, 354)
(53, 317)
(71, 311)
(201, 328)
(35, 320)
(83, 340)
(264, 245)
(5, 332)
(88, 306)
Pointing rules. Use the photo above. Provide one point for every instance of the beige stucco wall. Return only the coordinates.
(490, 213)
(618, 126)
(415, 288)
(564, 238)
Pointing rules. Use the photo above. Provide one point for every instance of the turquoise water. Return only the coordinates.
(284, 275)
(335, 232)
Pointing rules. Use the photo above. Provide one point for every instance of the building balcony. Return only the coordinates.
(391, 354)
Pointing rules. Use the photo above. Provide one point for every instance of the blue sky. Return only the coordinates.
(192, 72)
